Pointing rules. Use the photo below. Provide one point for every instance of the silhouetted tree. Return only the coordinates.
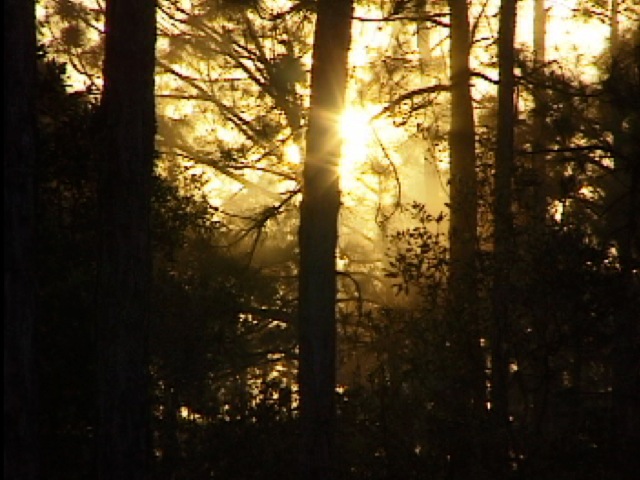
(19, 160)
(503, 234)
(538, 160)
(463, 181)
(622, 218)
(124, 269)
(466, 396)
(318, 240)
(66, 269)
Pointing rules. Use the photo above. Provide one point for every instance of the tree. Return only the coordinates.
(536, 207)
(622, 189)
(318, 240)
(220, 58)
(19, 152)
(414, 397)
(463, 182)
(212, 338)
(66, 236)
(124, 269)
(463, 240)
(539, 201)
(503, 231)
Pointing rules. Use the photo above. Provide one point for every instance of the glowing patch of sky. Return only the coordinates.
(567, 37)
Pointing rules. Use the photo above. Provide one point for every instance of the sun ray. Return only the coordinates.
(357, 135)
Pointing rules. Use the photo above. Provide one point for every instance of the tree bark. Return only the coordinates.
(125, 267)
(463, 332)
(537, 218)
(20, 422)
(503, 234)
(539, 207)
(463, 235)
(318, 240)
(624, 227)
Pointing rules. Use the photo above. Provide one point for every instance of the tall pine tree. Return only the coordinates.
(128, 110)
(19, 152)
(318, 240)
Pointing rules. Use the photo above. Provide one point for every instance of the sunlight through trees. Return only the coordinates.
(393, 239)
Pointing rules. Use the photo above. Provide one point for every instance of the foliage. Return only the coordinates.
(419, 253)
(215, 320)
(223, 350)
(66, 275)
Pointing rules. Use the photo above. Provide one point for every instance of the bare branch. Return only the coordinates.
(409, 96)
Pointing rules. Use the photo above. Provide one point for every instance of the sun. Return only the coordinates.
(357, 135)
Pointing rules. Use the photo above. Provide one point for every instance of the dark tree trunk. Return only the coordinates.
(625, 353)
(503, 240)
(623, 211)
(539, 201)
(20, 443)
(463, 333)
(538, 215)
(124, 268)
(318, 240)
(463, 184)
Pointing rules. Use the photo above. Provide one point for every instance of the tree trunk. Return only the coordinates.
(503, 231)
(537, 222)
(318, 240)
(614, 38)
(463, 235)
(539, 207)
(463, 332)
(20, 422)
(624, 227)
(124, 266)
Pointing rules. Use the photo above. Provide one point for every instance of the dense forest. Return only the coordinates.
(322, 239)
